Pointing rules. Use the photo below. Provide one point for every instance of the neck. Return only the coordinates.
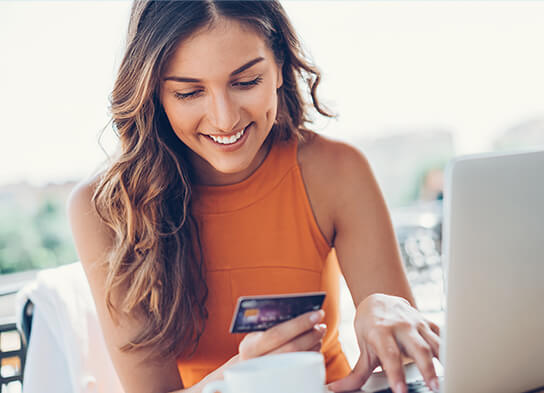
(206, 175)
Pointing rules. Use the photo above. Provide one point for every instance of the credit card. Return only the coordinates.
(257, 313)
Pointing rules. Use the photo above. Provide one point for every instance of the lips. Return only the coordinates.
(229, 139)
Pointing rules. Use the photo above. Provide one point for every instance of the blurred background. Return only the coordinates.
(414, 84)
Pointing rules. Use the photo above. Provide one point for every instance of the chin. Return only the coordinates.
(231, 169)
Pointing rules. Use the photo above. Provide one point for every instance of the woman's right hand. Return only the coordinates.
(303, 333)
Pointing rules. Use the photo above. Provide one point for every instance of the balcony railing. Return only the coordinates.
(12, 358)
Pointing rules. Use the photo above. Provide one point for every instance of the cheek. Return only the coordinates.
(263, 105)
(184, 122)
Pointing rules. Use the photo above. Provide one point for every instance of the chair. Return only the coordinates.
(66, 349)
(26, 321)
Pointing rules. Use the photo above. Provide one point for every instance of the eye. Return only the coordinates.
(185, 96)
(250, 83)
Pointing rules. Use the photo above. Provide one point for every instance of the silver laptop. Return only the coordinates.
(494, 257)
(493, 338)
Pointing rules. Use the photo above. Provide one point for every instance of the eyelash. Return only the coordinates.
(242, 85)
(248, 84)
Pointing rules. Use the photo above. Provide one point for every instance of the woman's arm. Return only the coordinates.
(352, 213)
(365, 241)
(93, 239)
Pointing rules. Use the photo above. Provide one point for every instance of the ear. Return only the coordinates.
(279, 80)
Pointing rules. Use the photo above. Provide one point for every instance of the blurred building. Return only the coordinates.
(28, 196)
(403, 161)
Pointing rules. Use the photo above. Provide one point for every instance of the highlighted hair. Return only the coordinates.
(155, 270)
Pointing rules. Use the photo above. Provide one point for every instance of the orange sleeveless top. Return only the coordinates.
(260, 237)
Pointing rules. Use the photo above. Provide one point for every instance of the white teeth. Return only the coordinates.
(228, 140)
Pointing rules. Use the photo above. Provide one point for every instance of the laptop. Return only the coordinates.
(493, 250)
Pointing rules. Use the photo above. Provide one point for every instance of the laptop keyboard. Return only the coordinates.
(420, 387)
(413, 387)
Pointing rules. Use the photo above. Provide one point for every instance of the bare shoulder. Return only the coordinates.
(336, 168)
(335, 175)
(80, 198)
(331, 157)
(91, 236)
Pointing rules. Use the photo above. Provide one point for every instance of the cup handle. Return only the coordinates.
(216, 386)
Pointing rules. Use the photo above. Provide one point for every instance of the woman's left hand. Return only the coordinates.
(387, 328)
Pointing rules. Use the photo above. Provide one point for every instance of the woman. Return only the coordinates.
(219, 191)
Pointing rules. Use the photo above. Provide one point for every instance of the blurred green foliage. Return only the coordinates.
(34, 238)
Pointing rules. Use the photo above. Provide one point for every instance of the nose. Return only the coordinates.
(223, 112)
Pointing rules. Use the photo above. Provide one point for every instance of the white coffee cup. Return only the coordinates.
(294, 372)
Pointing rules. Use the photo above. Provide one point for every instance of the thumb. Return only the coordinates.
(356, 378)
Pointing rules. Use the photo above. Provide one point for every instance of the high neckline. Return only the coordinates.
(214, 199)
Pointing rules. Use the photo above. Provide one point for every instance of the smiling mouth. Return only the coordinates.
(229, 140)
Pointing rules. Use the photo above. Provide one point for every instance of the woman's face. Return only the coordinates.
(219, 94)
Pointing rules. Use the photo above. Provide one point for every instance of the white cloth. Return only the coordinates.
(66, 350)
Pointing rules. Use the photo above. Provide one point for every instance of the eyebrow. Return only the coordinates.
(239, 70)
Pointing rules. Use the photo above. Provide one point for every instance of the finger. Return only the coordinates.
(258, 343)
(432, 339)
(305, 342)
(390, 357)
(284, 332)
(249, 346)
(434, 327)
(420, 350)
(317, 348)
(356, 378)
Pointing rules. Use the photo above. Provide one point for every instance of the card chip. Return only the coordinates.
(252, 312)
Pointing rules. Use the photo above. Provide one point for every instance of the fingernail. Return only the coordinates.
(317, 316)
(401, 388)
(435, 385)
(320, 327)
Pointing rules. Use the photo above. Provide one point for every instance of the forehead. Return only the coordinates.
(216, 50)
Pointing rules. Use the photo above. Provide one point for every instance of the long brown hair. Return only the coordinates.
(155, 268)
